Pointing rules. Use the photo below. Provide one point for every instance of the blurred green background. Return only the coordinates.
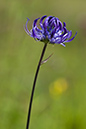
(60, 95)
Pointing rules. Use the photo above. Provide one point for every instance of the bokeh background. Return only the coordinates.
(60, 95)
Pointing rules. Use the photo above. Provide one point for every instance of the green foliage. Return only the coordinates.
(19, 55)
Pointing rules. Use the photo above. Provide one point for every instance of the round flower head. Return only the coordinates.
(51, 30)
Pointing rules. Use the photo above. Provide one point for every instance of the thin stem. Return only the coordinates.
(34, 83)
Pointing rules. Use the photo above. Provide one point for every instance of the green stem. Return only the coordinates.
(34, 84)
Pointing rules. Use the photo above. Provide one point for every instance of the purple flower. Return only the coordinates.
(50, 29)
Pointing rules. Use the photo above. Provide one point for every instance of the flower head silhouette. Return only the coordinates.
(51, 30)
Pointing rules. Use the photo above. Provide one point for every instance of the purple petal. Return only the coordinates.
(57, 21)
(64, 37)
(64, 24)
(71, 38)
(62, 44)
(46, 22)
(57, 40)
(51, 20)
(36, 34)
(35, 21)
(26, 29)
(69, 34)
(37, 29)
(53, 23)
(60, 25)
(41, 20)
(64, 31)
(33, 33)
(54, 31)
